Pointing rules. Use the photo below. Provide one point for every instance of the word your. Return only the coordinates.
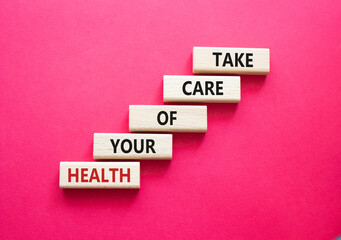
(238, 59)
(83, 175)
(127, 145)
(198, 88)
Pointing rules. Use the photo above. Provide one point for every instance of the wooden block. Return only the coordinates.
(99, 175)
(231, 60)
(132, 146)
(201, 89)
(166, 118)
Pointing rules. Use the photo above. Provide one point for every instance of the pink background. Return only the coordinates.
(268, 167)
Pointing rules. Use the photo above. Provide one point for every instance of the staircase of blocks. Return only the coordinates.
(141, 144)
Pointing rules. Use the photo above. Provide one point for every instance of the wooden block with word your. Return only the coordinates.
(231, 60)
(132, 146)
(167, 118)
(99, 175)
(224, 89)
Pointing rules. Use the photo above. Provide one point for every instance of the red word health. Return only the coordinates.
(98, 175)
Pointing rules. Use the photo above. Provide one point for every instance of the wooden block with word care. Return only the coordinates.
(167, 118)
(99, 175)
(201, 89)
(231, 60)
(132, 146)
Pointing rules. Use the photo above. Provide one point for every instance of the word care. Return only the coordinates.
(167, 118)
(99, 175)
(132, 146)
(231, 60)
(201, 89)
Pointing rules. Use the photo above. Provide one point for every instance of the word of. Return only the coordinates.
(165, 114)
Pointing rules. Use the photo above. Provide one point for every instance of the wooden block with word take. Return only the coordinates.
(99, 175)
(231, 60)
(132, 146)
(201, 89)
(167, 118)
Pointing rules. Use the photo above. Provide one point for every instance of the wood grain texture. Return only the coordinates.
(217, 89)
(99, 175)
(218, 60)
(144, 118)
(132, 146)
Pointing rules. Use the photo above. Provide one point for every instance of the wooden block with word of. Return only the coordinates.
(167, 118)
(231, 60)
(99, 175)
(201, 89)
(132, 146)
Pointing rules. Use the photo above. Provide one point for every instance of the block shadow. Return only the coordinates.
(252, 83)
(95, 197)
(96, 194)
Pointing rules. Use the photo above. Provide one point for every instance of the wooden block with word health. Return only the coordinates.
(99, 175)
(167, 118)
(132, 146)
(217, 89)
(231, 60)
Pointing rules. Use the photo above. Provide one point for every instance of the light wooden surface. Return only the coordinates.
(218, 60)
(218, 89)
(145, 118)
(99, 175)
(132, 146)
